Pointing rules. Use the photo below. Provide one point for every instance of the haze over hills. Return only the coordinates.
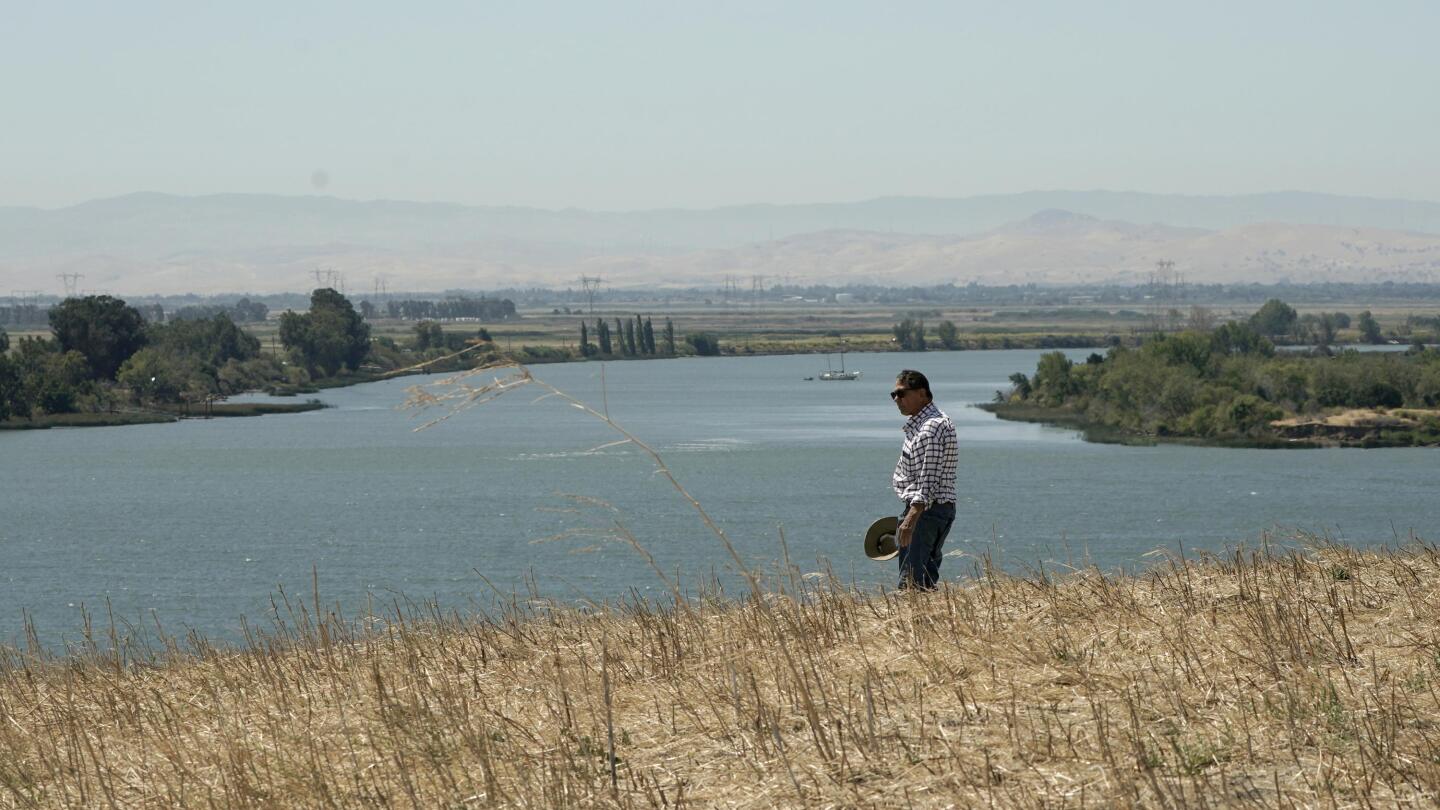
(155, 243)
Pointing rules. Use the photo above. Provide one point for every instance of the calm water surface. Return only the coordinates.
(199, 523)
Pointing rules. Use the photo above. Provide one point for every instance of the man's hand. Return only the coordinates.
(907, 526)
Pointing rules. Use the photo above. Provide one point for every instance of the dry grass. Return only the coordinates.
(1259, 678)
(1362, 417)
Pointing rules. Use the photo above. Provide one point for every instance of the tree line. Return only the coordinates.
(242, 311)
(1229, 382)
(450, 309)
(634, 337)
(104, 353)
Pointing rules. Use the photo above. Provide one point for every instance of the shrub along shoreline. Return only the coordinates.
(1229, 387)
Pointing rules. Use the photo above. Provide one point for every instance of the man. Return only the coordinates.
(924, 480)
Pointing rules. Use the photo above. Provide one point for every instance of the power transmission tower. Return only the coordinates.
(325, 277)
(591, 285)
(31, 297)
(731, 291)
(1163, 287)
(70, 282)
(757, 289)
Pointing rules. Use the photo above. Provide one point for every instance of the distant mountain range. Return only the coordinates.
(156, 243)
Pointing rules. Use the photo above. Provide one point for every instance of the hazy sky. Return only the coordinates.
(615, 105)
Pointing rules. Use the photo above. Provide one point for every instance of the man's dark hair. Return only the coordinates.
(914, 380)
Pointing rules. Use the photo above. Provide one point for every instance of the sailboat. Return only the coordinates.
(842, 374)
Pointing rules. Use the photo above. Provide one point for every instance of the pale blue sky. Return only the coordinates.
(637, 105)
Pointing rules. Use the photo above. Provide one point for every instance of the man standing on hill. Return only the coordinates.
(924, 480)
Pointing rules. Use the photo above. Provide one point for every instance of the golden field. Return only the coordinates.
(1265, 678)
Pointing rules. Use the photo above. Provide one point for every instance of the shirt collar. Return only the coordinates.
(928, 412)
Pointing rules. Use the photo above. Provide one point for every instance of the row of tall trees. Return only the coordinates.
(910, 335)
(631, 337)
(482, 309)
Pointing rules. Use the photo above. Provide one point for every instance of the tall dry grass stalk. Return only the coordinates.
(1261, 678)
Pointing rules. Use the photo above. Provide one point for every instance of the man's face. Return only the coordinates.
(908, 400)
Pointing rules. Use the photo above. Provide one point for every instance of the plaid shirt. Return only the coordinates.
(925, 472)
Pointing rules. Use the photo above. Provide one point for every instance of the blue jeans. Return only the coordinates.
(920, 561)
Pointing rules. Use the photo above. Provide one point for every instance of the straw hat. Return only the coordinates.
(880, 538)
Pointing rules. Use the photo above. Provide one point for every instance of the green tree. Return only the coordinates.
(4, 341)
(52, 381)
(1021, 384)
(584, 340)
(429, 335)
(10, 386)
(619, 338)
(1234, 338)
(1274, 318)
(104, 330)
(330, 337)
(602, 334)
(703, 344)
(649, 335)
(669, 337)
(949, 335)
(630, 347)
(155, 375)
(213, 341)
(1052, 383)
(1369, 328)
(910, 334)
(247, 311)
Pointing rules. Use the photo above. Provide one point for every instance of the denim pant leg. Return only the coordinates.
(920, 561)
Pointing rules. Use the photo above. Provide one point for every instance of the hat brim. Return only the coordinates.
(880, 539)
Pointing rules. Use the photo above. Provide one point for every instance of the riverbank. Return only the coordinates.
(1363, 428)
(1265, 678)
(159, 415)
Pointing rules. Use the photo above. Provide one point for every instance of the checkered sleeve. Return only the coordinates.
(925, 472)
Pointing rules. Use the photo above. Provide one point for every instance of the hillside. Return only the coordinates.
(154, 243)
(1264, 679)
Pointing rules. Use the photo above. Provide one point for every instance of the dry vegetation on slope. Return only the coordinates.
(1256, 679)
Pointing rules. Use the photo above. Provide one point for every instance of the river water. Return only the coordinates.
(199, 523)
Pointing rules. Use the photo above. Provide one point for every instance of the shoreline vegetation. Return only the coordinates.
(1301, 676)
(1228, 387)
(160, 415)
(103, 362)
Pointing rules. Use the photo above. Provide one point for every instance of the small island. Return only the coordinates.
(1230, 387)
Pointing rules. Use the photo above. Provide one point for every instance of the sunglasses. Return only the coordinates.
(900, 392)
